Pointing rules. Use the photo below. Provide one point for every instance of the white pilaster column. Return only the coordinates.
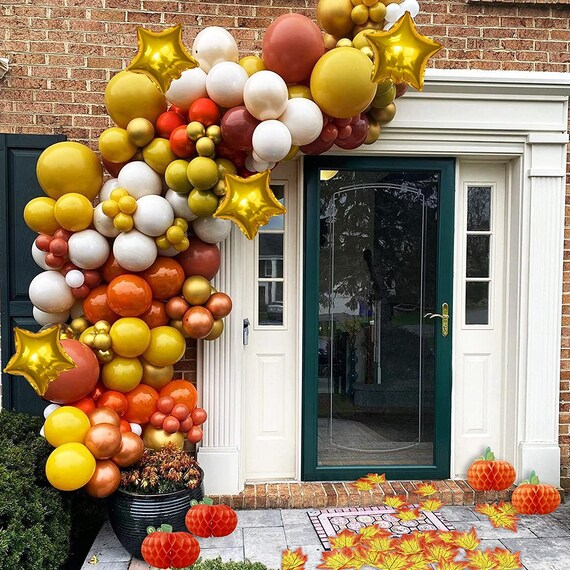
(219, 383)
(540, 310)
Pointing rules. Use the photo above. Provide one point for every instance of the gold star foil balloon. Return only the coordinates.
(249, 202)
(39, 357)
(162, 56)
(401, 53)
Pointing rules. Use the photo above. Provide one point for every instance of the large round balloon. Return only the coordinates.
(139, 179)
(105, 480)
(74, 384)
(304, 120)
(238, 125)
(49, 292)
(153, 216)
(191, 85)
(122, 374)
(197, 322)
(141, 404)
(200, 258)
(66, 425)
(66, 167)
(131, 95)
(88, 249)
(165, 277)
(39, 215)
(271, 141)
(129, 295)
(182, 392)
(132, 449)
(70, 466)
(334, 17)
(292, 44)
(212, 230)
(225, 83)
(134, 251)
(115, 146)
(167, 346)
(103, 441)
(96, 306)
(340, 82)
(130, 336)
(213, 45)
(265, 95)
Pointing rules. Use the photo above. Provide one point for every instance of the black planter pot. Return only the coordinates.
(130, 514)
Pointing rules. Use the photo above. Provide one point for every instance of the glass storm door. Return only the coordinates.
(377, 334)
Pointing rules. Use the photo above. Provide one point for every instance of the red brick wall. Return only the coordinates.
(63, 52)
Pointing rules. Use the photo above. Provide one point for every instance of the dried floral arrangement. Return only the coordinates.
(165, 471)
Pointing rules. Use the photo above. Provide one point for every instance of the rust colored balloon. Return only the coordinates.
(198, 322)
(105, 480)
(194, 434)
(132, 448)
(76, 383)
(113, 400)
(220, 305)
(104, 416)
(199, 416)
(142, 404)
(156, 316)
(112, 269)
(176, 307)
(129, 295)
(96, 306)
(103, 441)
(200, 258)
(182, 392)
(165, 277)
(125, 426)
(85, 404)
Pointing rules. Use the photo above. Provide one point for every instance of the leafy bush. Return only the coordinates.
(217, 564)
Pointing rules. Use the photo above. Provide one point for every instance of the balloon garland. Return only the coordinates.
(128, 256)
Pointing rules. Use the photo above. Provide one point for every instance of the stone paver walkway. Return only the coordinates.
(262, 535)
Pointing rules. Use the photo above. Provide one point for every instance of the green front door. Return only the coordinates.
(378, 267)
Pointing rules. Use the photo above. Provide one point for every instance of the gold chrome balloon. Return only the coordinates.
(373, 131)
(216, 331)
(79, 324)
(334, 17)
(156, 439)
(140, 131)
(196, 290)
(330, 41)
(401, 53)
(162, 56)
(384, 115)
(249, 202)
(157, 376)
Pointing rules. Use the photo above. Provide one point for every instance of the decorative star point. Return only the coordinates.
(249, 202)
(401, 53)
(162, 56)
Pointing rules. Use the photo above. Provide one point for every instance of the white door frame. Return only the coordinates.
(519, 117)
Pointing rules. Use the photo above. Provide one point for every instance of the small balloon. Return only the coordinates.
(105, 480)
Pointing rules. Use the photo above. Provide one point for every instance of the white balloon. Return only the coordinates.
(393, 13)
(42, 432)
(214, 45)
(103, 224)
(40, 257)
(136, 429)
(410, 6)
(253, 164)
(50, 409)
(134, 251)
(212, 230)
(170, 252)
(74, 278)
(88, 249)
(179, 203)
(255, 157)
(271, 141)
(107, 188)
(77, 310)
(43, 318)
(139, 180)
(304, 120)
(265, 95)
(225, 84)
(153, 216)
(50, 293)
(190, 86)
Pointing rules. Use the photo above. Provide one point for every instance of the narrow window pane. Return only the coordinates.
(276, 222)
(479, 208)
(477, 303)
(270, 255)
(478, 248)
(270, 303)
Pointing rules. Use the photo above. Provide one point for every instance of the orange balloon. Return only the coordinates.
(182, 392)
(114, 401)
(103, 441)
(105, 480)
(125, 426)
(97, 392)
(197, 322)
(141, 404)
(176, 307)
(132, 449)
(219, 304)
(104, 416)
(111, 269)
(96, 306)
(85, 404)
(129, 295)
(156, 316)
(165, 277)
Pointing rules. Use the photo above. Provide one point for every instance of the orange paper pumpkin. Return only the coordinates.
(535, 498)
(489, 474)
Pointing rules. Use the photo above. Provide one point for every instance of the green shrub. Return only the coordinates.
(217, 564)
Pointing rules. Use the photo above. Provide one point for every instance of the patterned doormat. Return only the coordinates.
(330, 522)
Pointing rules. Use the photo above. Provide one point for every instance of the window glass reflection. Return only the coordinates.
(270, 302)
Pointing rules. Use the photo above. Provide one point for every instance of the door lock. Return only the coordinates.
(246, 324)
(444, 316)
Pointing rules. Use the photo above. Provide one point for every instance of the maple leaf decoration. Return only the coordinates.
(337, 559)
(467, 540)
(452, 565)
(408, 514)
(382, 544)
(409, 544)
(426, 490)
(499, 515)
(293, 560)
(374, 531)
(506, 560)
(481, 560)
(392, 561)
(439, 552)
(418, 562)
(346, 538)
(362, 485)
(431, 505)
(375, 478)
(395, 501)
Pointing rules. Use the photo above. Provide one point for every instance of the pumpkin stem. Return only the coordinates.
(489, 455)
(534, 478)
(166, 528)
(150, 529)
(207, 501)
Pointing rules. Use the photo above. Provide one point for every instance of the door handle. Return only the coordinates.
(246, 324)
(444, 316)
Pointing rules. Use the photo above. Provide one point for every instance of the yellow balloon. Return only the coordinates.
(155, 438)
(66, 167)
(70, 466)
(334, 17)
(202, 202)
(73, 212)
(252, 64)
(292, 153)
(132, 95)
(158, 155)
(299, 91)
(67, 424)
(130, 336)
(340, 82)
(116, 146)
(176, 178)
(202, 173)
(122, 374)
(157, 376)
(39, 217)
(140, 131)
(166, 346)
